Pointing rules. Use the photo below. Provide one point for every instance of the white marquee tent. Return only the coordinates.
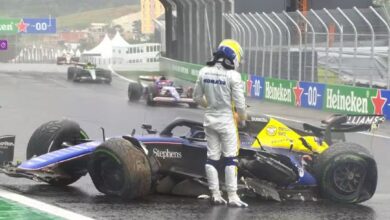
(118, 52)
(118, 41)
(102, 50)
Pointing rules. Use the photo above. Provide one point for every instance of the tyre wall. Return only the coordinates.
(326, 97)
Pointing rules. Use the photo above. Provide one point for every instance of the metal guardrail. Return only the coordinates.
(349, 45)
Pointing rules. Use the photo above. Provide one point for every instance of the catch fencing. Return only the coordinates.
(341, 46)
(40, 54)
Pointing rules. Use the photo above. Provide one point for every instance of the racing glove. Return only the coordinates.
(240, 122)
(203, 102)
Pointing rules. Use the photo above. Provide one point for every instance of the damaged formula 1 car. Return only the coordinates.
(158, 89)
(87, 72)
(276, 161)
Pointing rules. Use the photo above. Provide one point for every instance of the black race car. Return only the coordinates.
(87, 72)
(275, 161)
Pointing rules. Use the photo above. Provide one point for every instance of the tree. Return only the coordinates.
(137, 29)
(382, 2)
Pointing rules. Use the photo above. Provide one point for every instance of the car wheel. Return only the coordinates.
(151, 93)
(118, 168)
(106, 75)
(347, 173)
(52, 136)
(76, 77)
(193, 105)
(71, 72)
(134, 91)
(108, 78)
(59, 61)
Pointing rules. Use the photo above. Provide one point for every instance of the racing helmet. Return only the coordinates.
(231, 50)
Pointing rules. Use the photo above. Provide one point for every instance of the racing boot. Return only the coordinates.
(231, 186)
(234, 200)
(217, 199)
(212, 179)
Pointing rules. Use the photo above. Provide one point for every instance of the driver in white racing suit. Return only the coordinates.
(220, 90)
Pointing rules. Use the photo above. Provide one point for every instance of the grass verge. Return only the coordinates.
(328, 76)
(84, 19)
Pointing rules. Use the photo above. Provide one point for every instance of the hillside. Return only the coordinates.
(56, 8)
(83, 19)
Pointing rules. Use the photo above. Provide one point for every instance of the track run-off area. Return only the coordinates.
(34, 94)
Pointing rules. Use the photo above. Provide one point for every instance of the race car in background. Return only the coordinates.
(87, 72)
(276, 161)
(159, 89)
(67, 59)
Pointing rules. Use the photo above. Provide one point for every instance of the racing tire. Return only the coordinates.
(76, 77)
(118, 168)
(59, 61)
(71, 72)
(108, 78)
(79, 74)
(75, 59)
(346, 173)
(193, 105)
(189, 93)
(151, 93)
(134, 92)
(50, 137)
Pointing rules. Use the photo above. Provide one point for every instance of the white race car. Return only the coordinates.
(67, 59)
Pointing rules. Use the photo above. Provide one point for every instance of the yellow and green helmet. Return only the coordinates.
(232, 50)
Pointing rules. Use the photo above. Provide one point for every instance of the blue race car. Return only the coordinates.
(276, 161)
(159, 89)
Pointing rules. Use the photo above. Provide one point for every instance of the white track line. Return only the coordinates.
(46, 208)
(118, 75)
(297, 121)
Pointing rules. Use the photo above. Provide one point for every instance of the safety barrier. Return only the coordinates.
(327, 97)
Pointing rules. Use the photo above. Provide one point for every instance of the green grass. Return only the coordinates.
(328, 76)
(16, 211)
(84, 19)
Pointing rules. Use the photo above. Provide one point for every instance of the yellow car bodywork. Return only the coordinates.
(277, 135)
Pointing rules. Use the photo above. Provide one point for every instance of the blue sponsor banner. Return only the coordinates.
(309, 95)
(386, 108)
(39, 25)
(255, 86)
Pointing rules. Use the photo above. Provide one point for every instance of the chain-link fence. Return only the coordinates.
(31, 49)
(349, 46)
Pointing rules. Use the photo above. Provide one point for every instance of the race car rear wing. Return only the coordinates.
(339, 123)
(149, 78)
(7, 146)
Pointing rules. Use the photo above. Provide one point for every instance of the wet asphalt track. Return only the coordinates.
(28, 99)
